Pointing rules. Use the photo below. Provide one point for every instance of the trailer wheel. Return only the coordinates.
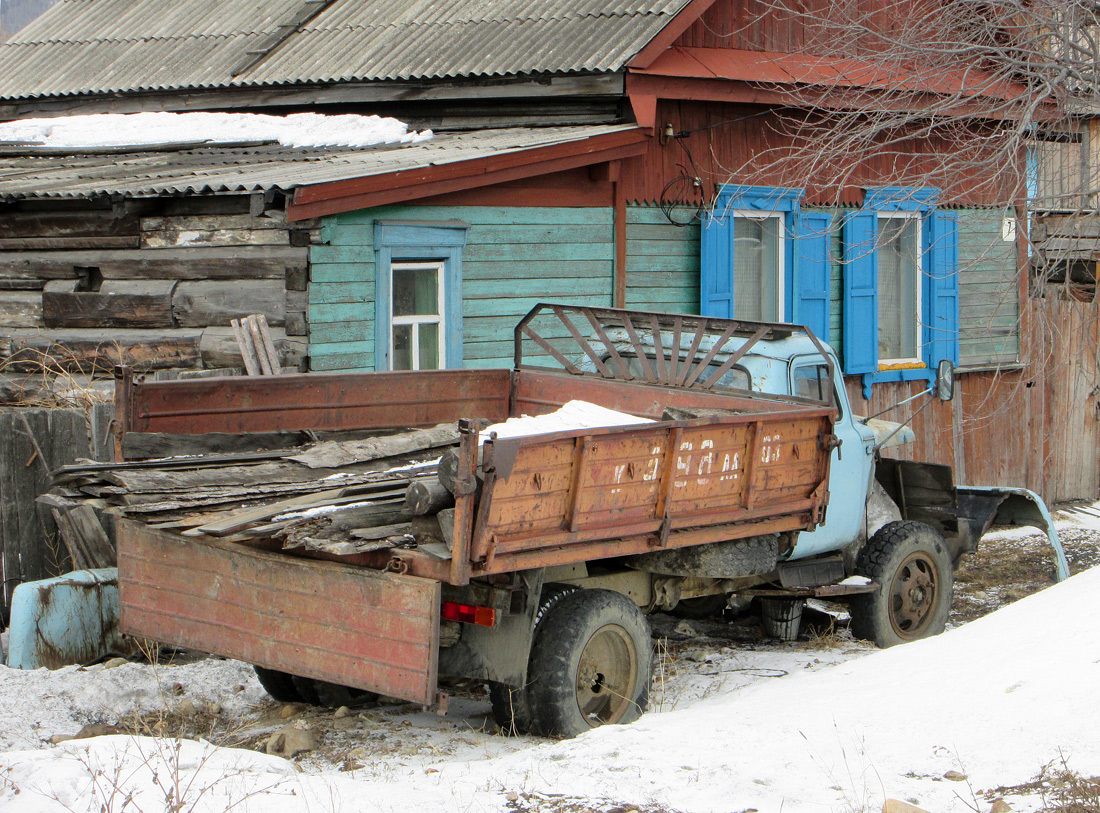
(912, 566)
(511, 707)
(278, 684)
(591, 664)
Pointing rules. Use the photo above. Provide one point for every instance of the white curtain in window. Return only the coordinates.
(898, 277)
(756, 268)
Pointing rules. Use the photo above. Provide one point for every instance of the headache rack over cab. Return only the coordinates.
(672, 350)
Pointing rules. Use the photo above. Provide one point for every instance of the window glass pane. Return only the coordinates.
(811, 381)
(429, 345)
(402, 347)
(415, 291)
(898, 275)
(756, 268)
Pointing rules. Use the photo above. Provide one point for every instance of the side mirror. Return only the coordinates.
(945, 380)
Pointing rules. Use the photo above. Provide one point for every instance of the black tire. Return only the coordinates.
(511, 708)
(279, 685)
(333, 695)
(912, 566)
(591, 664)
(307, 689)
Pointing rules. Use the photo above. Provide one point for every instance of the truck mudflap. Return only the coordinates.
(982, 506)
(339, 623)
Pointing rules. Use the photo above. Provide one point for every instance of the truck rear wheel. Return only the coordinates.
(912, 566)
(591, 664)
(511, 707)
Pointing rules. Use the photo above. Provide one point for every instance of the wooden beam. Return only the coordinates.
(395, 187)
(711, 89)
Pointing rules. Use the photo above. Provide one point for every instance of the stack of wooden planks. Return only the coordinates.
(337, 497)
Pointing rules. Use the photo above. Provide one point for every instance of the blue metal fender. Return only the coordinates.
(1015, 506)
(64, 620)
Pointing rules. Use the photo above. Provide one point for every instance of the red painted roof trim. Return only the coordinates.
(429, 180)
(772, 68)
(688, 15)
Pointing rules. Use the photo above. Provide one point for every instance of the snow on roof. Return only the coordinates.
(142, 129)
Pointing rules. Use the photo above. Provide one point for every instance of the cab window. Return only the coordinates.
(812, 381)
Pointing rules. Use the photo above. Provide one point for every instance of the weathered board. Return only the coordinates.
(117, 303)
(202, 303)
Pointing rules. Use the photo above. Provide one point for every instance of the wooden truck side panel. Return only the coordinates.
(646, 486)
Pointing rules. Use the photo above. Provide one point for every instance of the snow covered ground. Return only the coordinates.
(954, 723)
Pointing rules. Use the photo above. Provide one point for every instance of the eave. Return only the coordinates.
(456, 176)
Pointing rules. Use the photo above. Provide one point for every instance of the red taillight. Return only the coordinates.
(469, 614)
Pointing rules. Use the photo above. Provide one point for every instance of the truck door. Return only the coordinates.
(849, 469)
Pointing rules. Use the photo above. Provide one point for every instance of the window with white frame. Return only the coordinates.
(900, 255)
(418, 294)
(746, 258)
(417, 323)
(899, 282)
(758, 266)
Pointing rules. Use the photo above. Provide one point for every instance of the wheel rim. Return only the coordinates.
(606, 675)
(913, 595)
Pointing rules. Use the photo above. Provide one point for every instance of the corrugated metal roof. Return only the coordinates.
(247, 169)
(102, 46)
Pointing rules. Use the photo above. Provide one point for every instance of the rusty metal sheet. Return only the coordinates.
(344, 624)
(319, 401)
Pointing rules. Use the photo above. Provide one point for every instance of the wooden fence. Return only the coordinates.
(33, 441)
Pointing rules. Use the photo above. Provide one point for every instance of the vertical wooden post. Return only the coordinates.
(124, 394)
(619, 194)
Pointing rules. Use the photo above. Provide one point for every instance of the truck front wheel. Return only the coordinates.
(911, 565)
(591, 664)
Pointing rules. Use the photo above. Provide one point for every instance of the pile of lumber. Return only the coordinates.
(337, 497)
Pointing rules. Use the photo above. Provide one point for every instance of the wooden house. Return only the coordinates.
(597, 152)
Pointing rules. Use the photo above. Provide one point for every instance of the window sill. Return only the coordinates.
(921, 373)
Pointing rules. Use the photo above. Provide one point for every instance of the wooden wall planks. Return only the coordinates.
(178, 267)
(513, 258)
(29, 546)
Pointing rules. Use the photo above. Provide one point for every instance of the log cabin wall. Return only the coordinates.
(153, 284)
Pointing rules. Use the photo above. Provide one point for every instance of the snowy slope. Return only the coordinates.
(993, 701)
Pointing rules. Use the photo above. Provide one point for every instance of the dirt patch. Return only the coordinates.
(1011, 565)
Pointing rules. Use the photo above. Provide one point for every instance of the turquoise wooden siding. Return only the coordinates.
(513, 258)
(988, 294)
(662, 262)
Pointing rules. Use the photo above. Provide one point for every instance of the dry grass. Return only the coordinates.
(560, 803)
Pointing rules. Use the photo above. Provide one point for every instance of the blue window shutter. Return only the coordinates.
(716, 262)
(860, 234)
(812, 272)
(942, 288)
